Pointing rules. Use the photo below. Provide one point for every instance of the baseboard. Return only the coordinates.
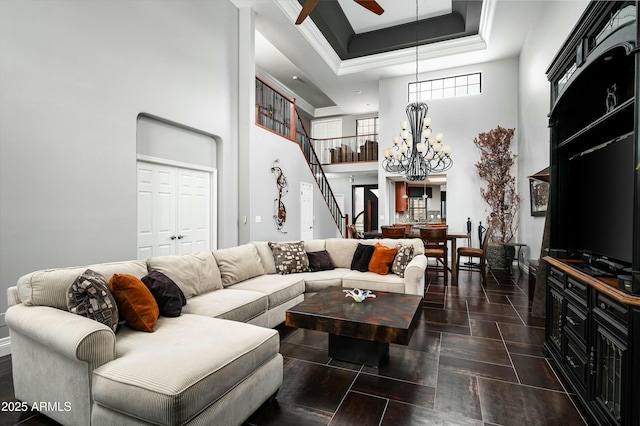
(5, 346)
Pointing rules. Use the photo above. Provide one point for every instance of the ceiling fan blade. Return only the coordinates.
(371, 5)
(306, 10)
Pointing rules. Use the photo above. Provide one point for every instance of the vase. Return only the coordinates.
(497, 255)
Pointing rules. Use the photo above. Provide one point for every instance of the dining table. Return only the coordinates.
(452, 237)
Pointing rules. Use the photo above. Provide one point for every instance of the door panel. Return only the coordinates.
(194, 211)
(156, 210)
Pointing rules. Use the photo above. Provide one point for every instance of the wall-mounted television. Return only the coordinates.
(599, 211)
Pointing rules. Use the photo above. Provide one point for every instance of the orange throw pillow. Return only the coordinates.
(135, 302)
(382, 259)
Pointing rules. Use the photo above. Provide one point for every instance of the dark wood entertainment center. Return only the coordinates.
(593, 281)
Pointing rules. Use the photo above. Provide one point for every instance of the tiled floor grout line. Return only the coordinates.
(346, 393)
(517, 313)
(508, 354)
(566, 391)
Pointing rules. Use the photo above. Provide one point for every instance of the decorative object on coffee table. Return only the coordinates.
(359, 295)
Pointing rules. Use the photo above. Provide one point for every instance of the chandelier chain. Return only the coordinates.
(417, 153)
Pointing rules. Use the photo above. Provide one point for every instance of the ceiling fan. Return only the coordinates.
(371, 5)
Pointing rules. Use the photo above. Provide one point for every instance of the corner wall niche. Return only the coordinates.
(177, 187)
(160, 138)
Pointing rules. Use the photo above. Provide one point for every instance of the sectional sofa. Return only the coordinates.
(215, 363)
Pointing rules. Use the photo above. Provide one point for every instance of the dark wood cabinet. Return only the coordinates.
(592, 327)
(592, 334)
(402, 197)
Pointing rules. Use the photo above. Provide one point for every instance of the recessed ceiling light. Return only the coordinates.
(295, 77)
(358, 92)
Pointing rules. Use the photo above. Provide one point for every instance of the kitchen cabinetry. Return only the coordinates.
(402, 197)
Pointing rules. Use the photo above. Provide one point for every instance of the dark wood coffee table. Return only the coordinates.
(358, 332)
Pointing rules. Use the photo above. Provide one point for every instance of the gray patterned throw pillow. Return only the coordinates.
(402, 259)
(89, 296)
(289, 258)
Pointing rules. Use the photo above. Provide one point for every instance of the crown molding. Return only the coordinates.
(327, 112)
(486, 19)
(398, 57)
(408, 55)
(312, 34)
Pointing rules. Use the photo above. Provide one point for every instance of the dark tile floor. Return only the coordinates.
(475, 359)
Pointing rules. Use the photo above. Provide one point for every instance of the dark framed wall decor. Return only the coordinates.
(539, 191)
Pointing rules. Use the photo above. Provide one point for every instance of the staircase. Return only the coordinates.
(278, 113)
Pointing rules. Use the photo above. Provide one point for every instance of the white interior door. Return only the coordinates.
(174, 210)
(156, 210)
(306, 211)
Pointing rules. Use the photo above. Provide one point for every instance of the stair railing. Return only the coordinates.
(277, 113)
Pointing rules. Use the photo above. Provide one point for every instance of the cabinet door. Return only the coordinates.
(554, 313)
(610, 363)
(402, 198)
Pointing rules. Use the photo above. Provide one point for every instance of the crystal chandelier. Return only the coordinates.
(418, 153)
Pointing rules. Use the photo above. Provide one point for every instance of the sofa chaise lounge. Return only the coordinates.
(215, 363)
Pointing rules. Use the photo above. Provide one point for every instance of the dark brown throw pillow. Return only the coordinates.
(168, 295)
(362, 257)
(135, 302)
(89, 297)
(319, 261)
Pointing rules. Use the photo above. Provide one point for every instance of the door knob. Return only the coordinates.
(173, 237)
(180, 237)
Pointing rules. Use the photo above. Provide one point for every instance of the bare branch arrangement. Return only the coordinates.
(494, 167)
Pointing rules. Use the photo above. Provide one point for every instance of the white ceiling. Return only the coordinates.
(327, 85)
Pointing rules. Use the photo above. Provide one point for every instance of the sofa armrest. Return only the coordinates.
(76, 337)
(414, 275)
(13, 298)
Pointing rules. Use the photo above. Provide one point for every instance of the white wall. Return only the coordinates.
(461, 120)
(73, 77)
(266, 147)
(548, 31)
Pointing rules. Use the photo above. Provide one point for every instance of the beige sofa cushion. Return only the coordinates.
(341, 251)
(316, 281)
(191, 367)
(236, 305)
(238, 263)
(194, 273)
(373, 281)
(49, 287)
(278, 288)
(266, 256)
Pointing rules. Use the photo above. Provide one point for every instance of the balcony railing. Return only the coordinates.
(349, 149)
